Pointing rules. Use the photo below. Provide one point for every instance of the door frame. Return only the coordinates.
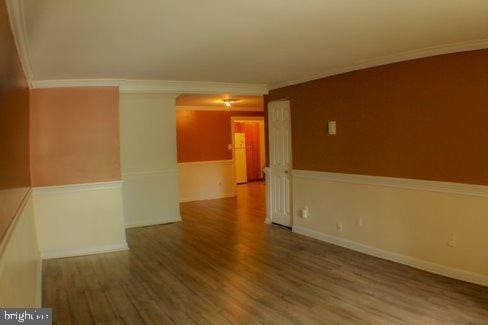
(233, 119)
(267, 169)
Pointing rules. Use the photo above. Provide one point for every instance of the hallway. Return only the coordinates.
(222, 264)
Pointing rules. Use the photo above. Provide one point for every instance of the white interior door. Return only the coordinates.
(280, 164)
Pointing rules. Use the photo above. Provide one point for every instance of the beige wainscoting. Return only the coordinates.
(151, 197)
(148, 154)
(79, 219)
(205, 180)
(436, 226)
(20, 261)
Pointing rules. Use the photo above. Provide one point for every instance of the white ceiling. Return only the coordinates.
(274, 42)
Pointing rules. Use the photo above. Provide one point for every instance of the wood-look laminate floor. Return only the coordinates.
(222, 264)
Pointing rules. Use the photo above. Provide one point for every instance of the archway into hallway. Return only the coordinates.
(208, 153)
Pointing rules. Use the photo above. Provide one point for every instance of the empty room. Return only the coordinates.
(250, 162)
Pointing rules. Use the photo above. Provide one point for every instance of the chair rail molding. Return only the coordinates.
(403, 183)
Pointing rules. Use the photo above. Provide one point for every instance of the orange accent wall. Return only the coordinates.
(74, 135)
(14, 127)
(205, 135)
(421, 119)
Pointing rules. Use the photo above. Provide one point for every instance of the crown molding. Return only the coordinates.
(157, 86)
(189, 87)
(17, 25)
(220, 108)
(70, 83)
(388, 59)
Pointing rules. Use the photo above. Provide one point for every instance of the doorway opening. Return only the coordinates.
(248, 142)
(206, 125)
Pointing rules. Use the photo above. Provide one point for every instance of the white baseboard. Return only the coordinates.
(85, 251)
(207, 197)
(152, 222)
(398, 258)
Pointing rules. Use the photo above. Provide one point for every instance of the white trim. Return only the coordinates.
(84, 251)
(208, 162)
(403, 183)
(128, 86)
(267, 172)
(388, 59)
(152, 222)
(221, 108)
(71, 83)
(398, 258)
(17, 25)
(198, 87)
(77, 187)
(204, 198)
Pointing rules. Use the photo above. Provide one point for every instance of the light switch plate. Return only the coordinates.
(332, 127)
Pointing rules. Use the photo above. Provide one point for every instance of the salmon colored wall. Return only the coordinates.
(205, 135)
(74, 135)
(14, 127)
(420, 119)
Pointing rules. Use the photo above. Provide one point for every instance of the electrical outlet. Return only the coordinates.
(304, 212)
(332, 128)
(339, 227)
(451, 240)
(360, 221)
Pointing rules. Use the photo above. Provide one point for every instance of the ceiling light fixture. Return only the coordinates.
(229, 101)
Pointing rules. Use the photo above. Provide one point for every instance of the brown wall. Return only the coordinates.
(74, 135)
(14, 127)
(205, 135)
(421, 119)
